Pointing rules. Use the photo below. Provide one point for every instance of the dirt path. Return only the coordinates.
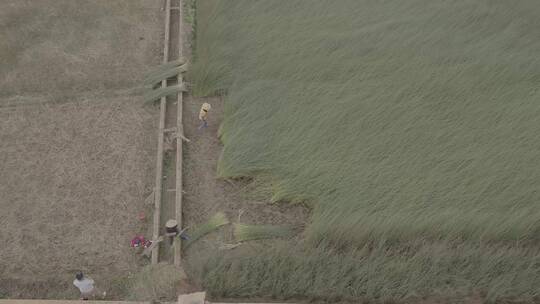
(205, 194)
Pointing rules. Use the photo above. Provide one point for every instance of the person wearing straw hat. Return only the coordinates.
(171, 230)
(203, 115)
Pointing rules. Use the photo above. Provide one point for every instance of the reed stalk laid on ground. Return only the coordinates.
(244, 232)
(154, 78)
(218, 220)
(153, 95)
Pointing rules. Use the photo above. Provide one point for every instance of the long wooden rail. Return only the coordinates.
(179, 141)
(178, 127)
(159, 159)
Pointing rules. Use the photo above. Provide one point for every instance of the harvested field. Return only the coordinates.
(73, 178)
(77, 145)
(60, 48)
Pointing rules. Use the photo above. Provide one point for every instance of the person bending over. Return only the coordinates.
(86, 286)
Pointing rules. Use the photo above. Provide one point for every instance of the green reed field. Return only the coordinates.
(410, 127)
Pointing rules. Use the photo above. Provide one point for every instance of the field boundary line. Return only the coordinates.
(38, 301)
(159, 161)
(179, 141)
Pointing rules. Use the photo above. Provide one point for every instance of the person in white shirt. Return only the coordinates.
(85, 285)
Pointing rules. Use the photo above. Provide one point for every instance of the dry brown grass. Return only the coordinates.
(77, 145)
(63, 47)
(157, 282)
(72, 178)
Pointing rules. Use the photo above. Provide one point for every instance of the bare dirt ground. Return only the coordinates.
(77, 145)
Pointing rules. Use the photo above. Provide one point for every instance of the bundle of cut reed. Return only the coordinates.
(244, 232)
(218, 220)
(162, 73)
(167, 66)
(153, 95)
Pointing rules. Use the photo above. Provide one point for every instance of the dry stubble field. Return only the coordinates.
(76, 142)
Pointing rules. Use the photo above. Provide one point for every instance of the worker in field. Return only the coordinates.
(203, 115)
(86, 286)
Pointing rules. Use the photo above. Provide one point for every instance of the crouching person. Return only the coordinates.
(86, 286)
